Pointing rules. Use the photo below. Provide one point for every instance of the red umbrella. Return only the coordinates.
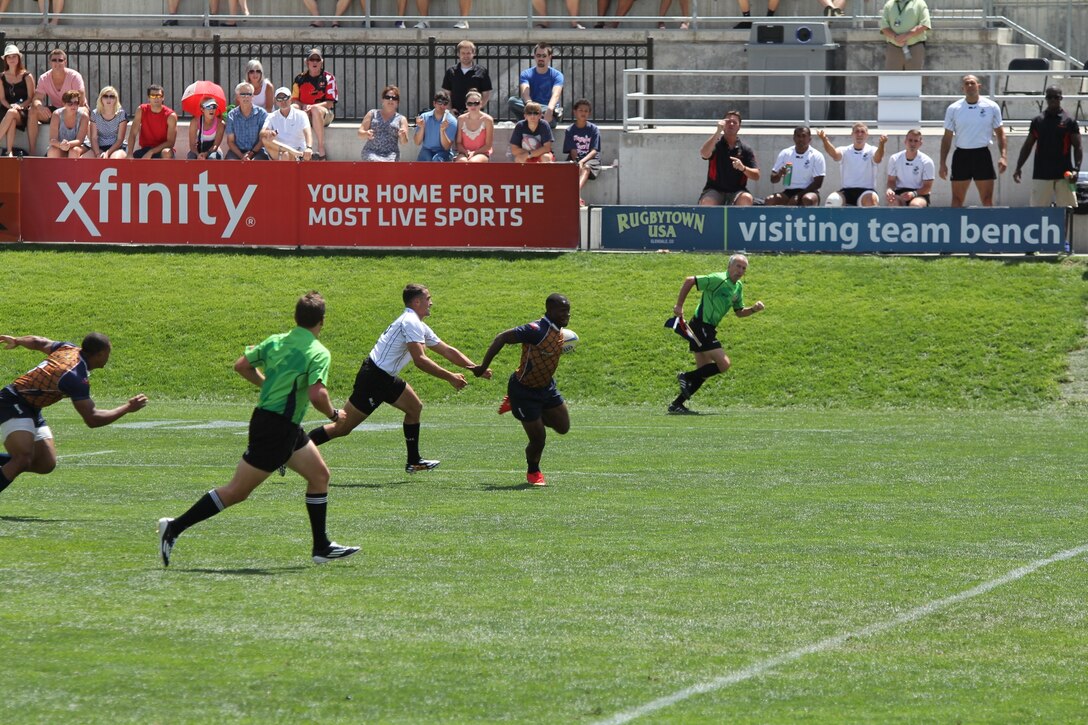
(197, 92)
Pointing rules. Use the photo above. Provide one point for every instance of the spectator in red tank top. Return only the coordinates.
(155, 126)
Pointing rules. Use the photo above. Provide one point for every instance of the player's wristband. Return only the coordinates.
(335, 414)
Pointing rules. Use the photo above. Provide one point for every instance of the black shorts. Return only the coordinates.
(374, 386)
(273, 439)
(796, 195)
(920, 196)
(851, 195)
(706, 333)
(529, 403)
(975, 164)
(12, 406)
(721, 198)
(141, 152)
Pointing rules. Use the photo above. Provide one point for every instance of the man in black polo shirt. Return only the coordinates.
(1056, 133)
(463, 76)
(731, 164)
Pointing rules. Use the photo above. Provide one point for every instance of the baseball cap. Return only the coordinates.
(12, 49)
(314, 52)
(281, 91)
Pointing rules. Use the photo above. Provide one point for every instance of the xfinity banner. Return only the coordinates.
(300, 204)
(793, 229)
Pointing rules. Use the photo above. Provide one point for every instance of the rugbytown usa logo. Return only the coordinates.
(125, 196)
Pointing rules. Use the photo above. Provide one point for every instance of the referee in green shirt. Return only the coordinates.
(721, 292)
(296, 367)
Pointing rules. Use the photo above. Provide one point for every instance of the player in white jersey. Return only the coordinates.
(910, 174)
(801, 169)
(377, 381)
(973, 121)
(859, 162)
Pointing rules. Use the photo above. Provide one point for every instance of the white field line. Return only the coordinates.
(838, 640)
(90, 453)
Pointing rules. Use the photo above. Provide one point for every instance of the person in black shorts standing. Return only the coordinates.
(722, 292)
(378, 380)
(531, 393)
(973, 121)
(296, 367)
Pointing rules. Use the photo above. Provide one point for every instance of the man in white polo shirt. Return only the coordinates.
(801, 169)
(378, 381)
(287, 134)
(973, 121)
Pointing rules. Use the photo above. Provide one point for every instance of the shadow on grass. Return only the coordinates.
(35, 519)
(511, 487)
(368, 485)
(248, 571)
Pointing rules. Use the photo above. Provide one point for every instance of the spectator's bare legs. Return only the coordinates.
(685, 9)
(58, 8)
(311, 7)
(4, 5)
(423, 7)
(622, 9)
(343, 5)
(8, 125)
(833, 7)
(540, 8)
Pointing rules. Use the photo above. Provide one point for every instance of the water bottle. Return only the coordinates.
(906, 53)
(1071, 177)
(787, 177)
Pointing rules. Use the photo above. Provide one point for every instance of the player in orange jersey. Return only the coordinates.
(65, 373)
(532, 395)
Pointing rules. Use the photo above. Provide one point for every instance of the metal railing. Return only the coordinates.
(640, 98)
(362, 69)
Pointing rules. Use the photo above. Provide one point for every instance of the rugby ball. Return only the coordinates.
(570, 340)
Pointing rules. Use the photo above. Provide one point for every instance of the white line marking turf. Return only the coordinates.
(838, 640)
(90, 453)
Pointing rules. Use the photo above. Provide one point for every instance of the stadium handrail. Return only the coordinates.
(635, 81)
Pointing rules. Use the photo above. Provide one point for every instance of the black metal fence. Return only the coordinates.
(362, 69)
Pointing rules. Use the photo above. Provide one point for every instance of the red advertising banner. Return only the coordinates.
(300, 204)
(9, 199)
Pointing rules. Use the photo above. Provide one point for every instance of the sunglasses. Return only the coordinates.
(283, 99)
(472, 103)
(72, 103)
(245, 95)
(390, 98)
(109, 98)
(57, 60)
(154, 95)
(441, 102)
(532, 113)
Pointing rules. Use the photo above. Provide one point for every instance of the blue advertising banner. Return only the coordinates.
(663, 227)
(822, 229)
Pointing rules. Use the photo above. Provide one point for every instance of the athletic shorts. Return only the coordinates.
(17, 415)
(974, 164)
(273, 439)
(851, 195)
(794, 195)
(529, 403)
(920, 196)
(594, 167)
(706, 333)
(374, 386)
(721, 198)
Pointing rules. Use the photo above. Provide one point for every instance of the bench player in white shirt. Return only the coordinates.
(858, 162)
(807, 171)
(377, 381)
(910, 174)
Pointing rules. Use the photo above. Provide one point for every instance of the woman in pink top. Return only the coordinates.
(206, 132)
(475, 132)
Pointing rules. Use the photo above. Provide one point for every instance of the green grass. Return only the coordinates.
(838, 331)
(664, 553)
(892, 434)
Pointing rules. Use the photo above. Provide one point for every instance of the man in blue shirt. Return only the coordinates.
(541, 83)
(436, 131)
(244, 124)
